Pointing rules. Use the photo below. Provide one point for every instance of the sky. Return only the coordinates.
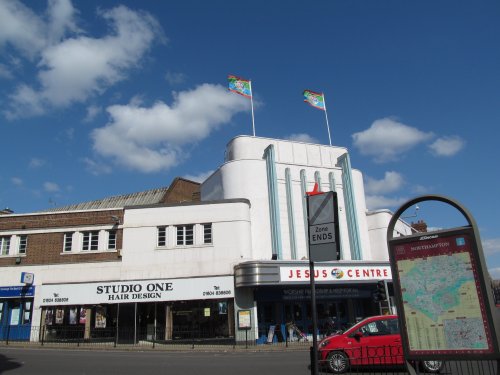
(103, 98)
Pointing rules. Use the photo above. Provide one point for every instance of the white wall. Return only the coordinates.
(244, 175)
(231, 241)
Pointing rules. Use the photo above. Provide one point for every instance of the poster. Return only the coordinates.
(14, 316)
(244, 321)
(49, 317)
(72, 315)
(100, 317)
(59, 316)
(222, 308)
(83, 315)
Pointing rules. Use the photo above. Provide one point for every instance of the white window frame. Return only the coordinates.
(22, 245)
(112, 239)
(68, 240)
(162, 236)
(93, 239)
(5, 245)
(184, 233)
(208, 232)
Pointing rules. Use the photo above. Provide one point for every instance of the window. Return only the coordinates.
(68, 241)
(4, 245)
(207, 233)
(162, 236)
(111, 239)
(185, 235)
(90, 240)
(23, 244)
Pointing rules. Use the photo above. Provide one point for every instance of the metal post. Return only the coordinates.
(314, 352)
(117, 323)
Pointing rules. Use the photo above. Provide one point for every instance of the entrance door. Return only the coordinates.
(15, 319)
(126, 323)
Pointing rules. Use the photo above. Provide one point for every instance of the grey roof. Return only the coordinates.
(147, 197)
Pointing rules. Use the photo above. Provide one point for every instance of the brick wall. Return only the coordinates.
(47, 248)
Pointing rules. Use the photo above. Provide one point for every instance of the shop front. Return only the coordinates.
(16, 308)
(282, 294)
(139, 310)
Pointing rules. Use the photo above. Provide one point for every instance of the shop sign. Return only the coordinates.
(138, 291)
(17, 291)
(335, 273)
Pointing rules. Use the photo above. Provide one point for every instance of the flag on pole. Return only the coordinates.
(314, 99)
(240, 86)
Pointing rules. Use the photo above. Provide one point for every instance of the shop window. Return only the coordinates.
(90, 241)
(68, 241)
(207, 233)
(185, 235)
(111, 239)
(162, 236)
(4, 245)
(23, 244)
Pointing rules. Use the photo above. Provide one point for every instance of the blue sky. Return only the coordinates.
(107, 98)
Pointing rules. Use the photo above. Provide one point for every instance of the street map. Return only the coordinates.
(442, 307)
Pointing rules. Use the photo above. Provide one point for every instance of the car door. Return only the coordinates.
(379, 343)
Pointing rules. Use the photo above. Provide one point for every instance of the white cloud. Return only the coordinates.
(76, 68)
(96, 168)
(36, 163)
(150, 139)
(175, 78)
(391, 182)
(447, 146)
(17, 181)
(491, 246)
(200, 177)
(387, 139)
(301, 137)
(5, 72)
(92, 112)
(495, 273)
(51, 187)
(21, 28)
(374, 202)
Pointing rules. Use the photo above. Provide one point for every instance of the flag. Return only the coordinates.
(240, 86)
(314, 99)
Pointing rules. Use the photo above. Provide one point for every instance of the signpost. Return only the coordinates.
(322, 216)
(443, 292)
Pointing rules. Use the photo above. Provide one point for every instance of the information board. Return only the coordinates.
(443, 307)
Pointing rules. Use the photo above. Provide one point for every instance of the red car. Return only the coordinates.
(374, 341)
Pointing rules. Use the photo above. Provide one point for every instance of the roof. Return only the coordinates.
(147, 197)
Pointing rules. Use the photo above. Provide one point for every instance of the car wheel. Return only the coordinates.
(432, 366)
(338, 362)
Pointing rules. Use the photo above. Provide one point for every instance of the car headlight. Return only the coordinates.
(324, 343)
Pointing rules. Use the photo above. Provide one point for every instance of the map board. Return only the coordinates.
(443, 306)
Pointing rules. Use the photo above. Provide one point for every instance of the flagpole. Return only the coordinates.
(251, 101)
(326, 117)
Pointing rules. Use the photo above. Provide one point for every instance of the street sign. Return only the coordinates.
(323, 227)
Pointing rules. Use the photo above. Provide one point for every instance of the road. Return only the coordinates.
(19, 361)
(22, 361)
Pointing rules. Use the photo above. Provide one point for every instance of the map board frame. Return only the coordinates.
(435, 309)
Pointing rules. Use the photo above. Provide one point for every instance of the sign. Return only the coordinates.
(27, 278)
(138, 291)
(244, 319)
(442, 291)
(323, 227)
(443, 306)
(16, 291)
(336, 273)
